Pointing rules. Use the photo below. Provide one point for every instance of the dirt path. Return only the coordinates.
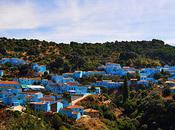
(79, 99)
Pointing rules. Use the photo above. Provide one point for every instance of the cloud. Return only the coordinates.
(88, 20)
(14, 16)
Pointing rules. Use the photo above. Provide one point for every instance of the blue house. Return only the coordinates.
(78, 74)
(66, 80)
(29, 81)
(61, 79)
(35, 66)
(170, 83)
(148, 72)
(10, 90)
(44, 82)
(47, 99)
(1, 73)
(82, 90)
(172, 90)
(77, 108)
(57, 78)
(71, 87)
(67, 75)
(143, 82)
(70, 113)
(40, 106)
(91, 73)
(6, 92)
(96, 91)
(112, 65)
(10, 84)
(129, 70)
(56, 88)
(149, 79)
(65, 103)
(39, 68)
(107, 84)
(12, 61)
(170, 69)
(46, 104)
(74, 111)
(114, 69)
(171, 77)
(14, 100)
(10, 87)
(56, 106)
(75, 89)
(33, 96)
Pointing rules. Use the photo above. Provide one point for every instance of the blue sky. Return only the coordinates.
(88, 20)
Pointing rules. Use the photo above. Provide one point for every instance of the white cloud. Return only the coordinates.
(89, 20)
(17, 16)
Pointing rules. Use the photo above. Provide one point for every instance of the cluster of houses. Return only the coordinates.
(12, 61)
(13, 93)
(32, 91)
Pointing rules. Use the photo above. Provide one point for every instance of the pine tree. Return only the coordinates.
(125, 90)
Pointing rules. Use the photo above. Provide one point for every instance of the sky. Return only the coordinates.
(88, 20)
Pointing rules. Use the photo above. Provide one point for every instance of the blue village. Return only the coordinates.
(33, 90)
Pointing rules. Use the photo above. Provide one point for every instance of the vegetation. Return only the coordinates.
(86, 56)
(17, 121)
(141, 108)
(125, 90)
(30, 120)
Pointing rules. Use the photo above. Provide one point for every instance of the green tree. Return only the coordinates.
(125, 90)
(67, 96)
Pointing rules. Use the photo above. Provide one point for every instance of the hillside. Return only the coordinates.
(69, 57)
(136, 104)
(91, 124)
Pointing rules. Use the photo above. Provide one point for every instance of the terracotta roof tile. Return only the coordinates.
(74, 106)
(74, 112)
(9, 82)
(66, 109)
(46, 99)
(71, 83)
(30, 92)
(37, 103)
(37, 78)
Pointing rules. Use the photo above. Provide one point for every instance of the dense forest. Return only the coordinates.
(62, 57)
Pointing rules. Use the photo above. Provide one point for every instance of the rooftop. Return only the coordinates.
(46, 99)
(37, 78)
(68, 73)
(170, 82)
(74, 106)
(71, 83)
(74, 112)
(37, 103)
(9, 82)
(133, 79)
(33, 92)
(172, 88)
(33, 86)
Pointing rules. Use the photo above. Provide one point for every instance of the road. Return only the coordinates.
(79, 99)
